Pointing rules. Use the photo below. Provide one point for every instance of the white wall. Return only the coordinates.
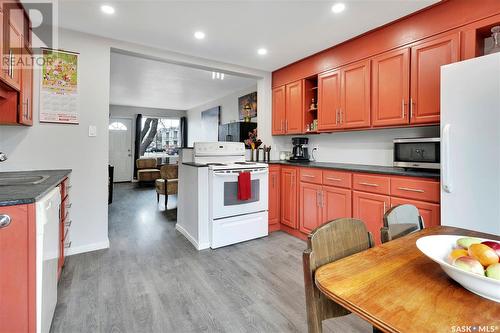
(360, 147)
(229, 112)
(56, 146)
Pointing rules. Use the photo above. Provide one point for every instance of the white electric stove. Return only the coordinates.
(231, 220)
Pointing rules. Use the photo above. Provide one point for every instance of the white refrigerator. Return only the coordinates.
(470, 144)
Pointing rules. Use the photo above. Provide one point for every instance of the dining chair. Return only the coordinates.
(168, 182)
(399, 221)
(327, 243)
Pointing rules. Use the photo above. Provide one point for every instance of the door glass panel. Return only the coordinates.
(231, 193)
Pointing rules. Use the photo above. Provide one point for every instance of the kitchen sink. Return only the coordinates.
(6, 180)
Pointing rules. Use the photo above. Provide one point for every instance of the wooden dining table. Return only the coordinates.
(397, 288)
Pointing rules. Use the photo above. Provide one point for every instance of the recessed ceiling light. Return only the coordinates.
(338, 7)
(199, 35)
(107, 9)
(262, 51)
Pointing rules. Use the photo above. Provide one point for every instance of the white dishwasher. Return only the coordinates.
(47, 255)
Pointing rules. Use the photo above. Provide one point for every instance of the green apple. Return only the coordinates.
(493, 271)
(465, 242)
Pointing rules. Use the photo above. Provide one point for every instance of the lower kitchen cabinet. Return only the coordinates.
(274, 197)
(310, 207)
(289, 191)
(17, 268)
(370, 208)
(430, 212)
(336, 202)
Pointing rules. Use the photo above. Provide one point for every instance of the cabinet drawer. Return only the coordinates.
(310, 175)
(337, 178)
(411, 188)
(371, 183)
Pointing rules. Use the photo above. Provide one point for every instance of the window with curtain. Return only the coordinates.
(160, 137)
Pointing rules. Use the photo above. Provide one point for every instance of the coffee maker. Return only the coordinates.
(300, 152)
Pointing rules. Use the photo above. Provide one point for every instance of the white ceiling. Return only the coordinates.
(290, 30)
(149, 83)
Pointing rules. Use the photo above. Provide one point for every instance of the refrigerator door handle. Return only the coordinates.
(446, 172)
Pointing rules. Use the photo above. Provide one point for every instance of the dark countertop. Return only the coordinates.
(28, 193)
(364, 168)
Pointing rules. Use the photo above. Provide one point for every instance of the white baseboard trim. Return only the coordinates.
(86, 248)
(190, 238)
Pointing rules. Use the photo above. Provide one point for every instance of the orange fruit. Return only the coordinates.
(485, 254)
(457, 253)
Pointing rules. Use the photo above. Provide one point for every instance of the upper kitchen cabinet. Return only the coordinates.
(427, 57)
(355, 95)
(279, 113)
(344, 97)
(390, 88)
(26, 94)
(16, 86)
(329, 101)
(288, 108)
(294, 107)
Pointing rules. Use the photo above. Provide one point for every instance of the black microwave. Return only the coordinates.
(422, 153)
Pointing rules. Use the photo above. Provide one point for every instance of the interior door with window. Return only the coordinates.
(120, 149)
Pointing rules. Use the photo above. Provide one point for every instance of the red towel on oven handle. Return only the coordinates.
(244, 186)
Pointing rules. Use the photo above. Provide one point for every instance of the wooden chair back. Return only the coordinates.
(169, 171)
(400, 221)
(330, 242)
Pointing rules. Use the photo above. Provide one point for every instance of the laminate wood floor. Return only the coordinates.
(152, 279)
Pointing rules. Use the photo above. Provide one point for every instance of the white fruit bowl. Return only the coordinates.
(438, 247)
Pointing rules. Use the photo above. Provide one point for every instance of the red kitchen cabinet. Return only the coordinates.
(430, 212)
(18, 269)
(391, 88)
(427, 57)
(329, 101)
(336, 202)
(274, 197)
(294, 107)
(279, 114)
(26, 96)
(288, 207)
(310, 207)
(370, 208)
(355, 95)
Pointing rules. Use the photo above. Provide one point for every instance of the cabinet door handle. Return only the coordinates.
(369, 184)
(322, 199)
(334, 179)
(281, 125)
(385, 207)
(341, 116)
(286, 125)
(4, 220)
(337, 116)
(410, 189)
(318, 202)
(411, 107)
(403, 108)
(309, 176)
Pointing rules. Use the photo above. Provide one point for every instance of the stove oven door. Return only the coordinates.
(224, 190)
